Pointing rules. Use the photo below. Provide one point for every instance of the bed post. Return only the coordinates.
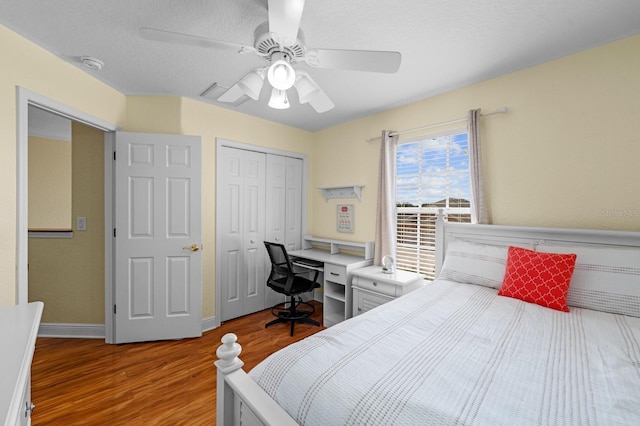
(227, 363)
(439, 240)
(238, 396)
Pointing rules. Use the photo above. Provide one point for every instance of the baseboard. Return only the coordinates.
(95, 331)
(78, 331)
(209, 324)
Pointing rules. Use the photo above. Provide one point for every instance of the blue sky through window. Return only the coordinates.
(433, 169)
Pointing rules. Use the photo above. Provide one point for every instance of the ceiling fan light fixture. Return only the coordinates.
(306, 88)
(279, 99)
(281, 74)
(251, 84)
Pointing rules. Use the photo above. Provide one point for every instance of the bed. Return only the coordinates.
(460, 350)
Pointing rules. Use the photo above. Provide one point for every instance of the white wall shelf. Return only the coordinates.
(346, 191)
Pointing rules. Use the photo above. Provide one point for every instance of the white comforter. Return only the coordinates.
(453, 353)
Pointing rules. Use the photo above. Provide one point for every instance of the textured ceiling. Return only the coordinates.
(444, 44)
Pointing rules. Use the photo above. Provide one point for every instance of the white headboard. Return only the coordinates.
(511, 235)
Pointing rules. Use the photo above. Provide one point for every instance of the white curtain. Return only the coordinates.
(479, 212)
(385, 243)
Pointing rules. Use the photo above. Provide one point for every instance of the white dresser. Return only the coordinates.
(18, 331)
(371, 287)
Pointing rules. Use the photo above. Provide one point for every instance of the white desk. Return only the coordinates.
(337, 269)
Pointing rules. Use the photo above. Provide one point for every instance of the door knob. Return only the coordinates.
(193, 247)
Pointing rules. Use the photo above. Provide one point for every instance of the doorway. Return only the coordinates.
(66, 223)
(26, 98)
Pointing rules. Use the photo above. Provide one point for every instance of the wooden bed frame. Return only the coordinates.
(241, 401)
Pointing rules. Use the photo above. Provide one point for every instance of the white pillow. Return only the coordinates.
(605, 279)
(474, 263)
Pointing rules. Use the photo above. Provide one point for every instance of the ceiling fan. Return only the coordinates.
(281, 43)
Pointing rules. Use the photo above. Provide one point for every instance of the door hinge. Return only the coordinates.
(114, 156)
(114, 310)
(114, 232)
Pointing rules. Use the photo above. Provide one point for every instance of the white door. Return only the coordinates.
(275, 214)
(158, 267)
(284, 208)
(276, 193)
(293, 203)
(284, 201)
(240, 208)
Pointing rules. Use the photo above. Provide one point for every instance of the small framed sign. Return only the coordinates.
(345, 218)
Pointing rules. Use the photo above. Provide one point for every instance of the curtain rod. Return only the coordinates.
(502, 110)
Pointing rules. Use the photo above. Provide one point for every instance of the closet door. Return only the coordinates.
(276, 193)
(293, 204)
(284, 201)
(241, 230)
(284, 209)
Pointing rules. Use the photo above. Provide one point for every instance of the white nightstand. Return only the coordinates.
(371, 287)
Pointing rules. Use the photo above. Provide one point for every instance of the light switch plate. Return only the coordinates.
(81, 223)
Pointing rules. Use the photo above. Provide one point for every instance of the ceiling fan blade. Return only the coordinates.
(321, 102)
(357, 60)
(190, 40)
(284, 20)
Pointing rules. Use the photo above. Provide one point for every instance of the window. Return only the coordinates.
(431, 173)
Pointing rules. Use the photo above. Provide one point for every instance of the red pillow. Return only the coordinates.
(540, 278)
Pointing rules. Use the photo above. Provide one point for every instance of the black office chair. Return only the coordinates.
(292, 281)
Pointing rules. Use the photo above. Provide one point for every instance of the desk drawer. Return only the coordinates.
(381, 287)
(335, 273)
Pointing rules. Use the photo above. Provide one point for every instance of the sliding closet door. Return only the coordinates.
(293, 204)
(276, 193)
(283, 208)
(241, 229)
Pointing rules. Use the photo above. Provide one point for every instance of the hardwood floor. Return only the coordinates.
(87, 382)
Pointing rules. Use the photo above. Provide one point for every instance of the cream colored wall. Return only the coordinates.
(24, 64)
(49, 184)
(189, 117)
(212, 122)
(68, 274)
(565, 155)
